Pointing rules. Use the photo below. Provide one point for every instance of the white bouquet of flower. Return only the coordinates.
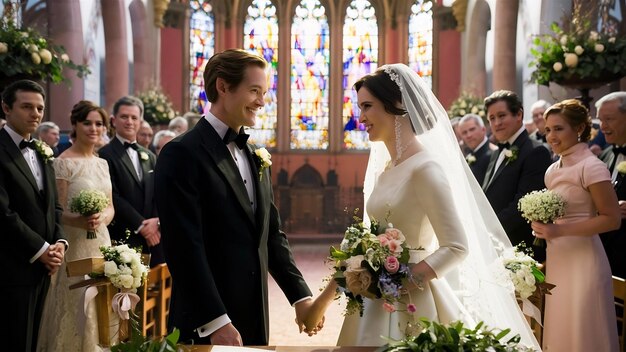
(87, 203)
(542, 206)
(523, 271)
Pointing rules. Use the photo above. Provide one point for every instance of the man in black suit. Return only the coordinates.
(131, 167)
(517, 168)
(30, 217)
(474, 136)
(221, 229)
(612, 114)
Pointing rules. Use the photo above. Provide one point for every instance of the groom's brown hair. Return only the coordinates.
(229, 65)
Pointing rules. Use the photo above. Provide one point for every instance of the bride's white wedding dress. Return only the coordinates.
(59, 325)
(415, 195)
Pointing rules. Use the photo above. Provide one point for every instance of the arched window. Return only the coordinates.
(201, 48)
(360, 57)
(310, 57)
(421, 39)
(261, 37)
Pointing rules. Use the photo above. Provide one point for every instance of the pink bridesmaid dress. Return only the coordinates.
(579, 314)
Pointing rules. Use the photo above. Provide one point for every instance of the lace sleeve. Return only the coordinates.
(62, 169)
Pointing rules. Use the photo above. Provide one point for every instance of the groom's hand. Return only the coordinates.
(150, 231)
(307, 317)
(52, 258)
(226, 335)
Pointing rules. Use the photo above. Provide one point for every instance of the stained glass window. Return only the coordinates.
(310, 57)
(201, 48)
(421, 39)
(261, 37)
(360, 57)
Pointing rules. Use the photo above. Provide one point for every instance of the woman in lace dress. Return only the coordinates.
(579, 314)
(78, 168)
(417, 175)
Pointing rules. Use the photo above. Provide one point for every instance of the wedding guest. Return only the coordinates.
(474, 136)
(579, 314)
(537, 110)
(517, 168)
(221, 230)
(161, 138)
(50, 133)
(78, 168)
(131, 168)
(192, 118)
(145, 135)
(178, 125)
(612, 114)
(30, 217)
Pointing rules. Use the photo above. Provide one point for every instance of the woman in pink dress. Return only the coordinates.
(579, 314)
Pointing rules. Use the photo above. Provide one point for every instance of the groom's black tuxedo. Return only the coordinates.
(615, 241)
(512, 181)
(133, 198)
(218, 249)
(28, 219)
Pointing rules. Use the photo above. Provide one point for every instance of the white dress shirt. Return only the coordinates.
(133, 155)
(501, 155)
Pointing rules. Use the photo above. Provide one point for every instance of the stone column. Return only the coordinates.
(143, 70)
(116, 65)
(504, 68)
(68, 33)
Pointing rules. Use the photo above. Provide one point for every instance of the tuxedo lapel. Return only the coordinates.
(218, 151)
(16, 155)
(490, 170)
(260, 188)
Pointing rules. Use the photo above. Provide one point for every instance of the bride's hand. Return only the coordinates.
(91, 222)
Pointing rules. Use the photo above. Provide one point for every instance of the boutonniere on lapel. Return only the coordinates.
(44, 150)
(510, 154)
(263, 160)
(470, 158)
(143, 156)
(621, 168)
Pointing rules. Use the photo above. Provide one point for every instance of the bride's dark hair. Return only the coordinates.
(384, 89)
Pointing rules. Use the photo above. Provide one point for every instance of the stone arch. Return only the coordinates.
(306, 200)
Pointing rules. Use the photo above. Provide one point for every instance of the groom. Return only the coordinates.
(516, 168)
(221, 230)
(30, 217)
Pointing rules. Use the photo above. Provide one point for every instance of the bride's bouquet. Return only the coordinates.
(542, 206)
(523, 271)
(87, 203)
(372, 262)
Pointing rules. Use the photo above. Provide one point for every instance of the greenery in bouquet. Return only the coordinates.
(576, 51)
(123, 267)
(157, 107)
(467, 103)
(25, 52)
(87, 203)
(371, 262)
(542, 206)
(456, 337)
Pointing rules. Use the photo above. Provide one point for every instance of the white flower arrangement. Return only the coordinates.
(44, 150)
(467, 103)
(143, 155)
(123, 267)
(542, 206)
(157, 107)
(523, 271)
(510, 154)
(263, 160)
(87, 203)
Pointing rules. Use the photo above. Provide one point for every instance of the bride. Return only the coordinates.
(417, 180)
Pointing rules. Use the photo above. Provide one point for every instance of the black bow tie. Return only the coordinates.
(541, 137)
(27, 144)
(506, 145)
(619, 150)
(239, 138)
(131, 145)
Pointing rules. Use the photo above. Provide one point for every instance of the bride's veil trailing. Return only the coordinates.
(486, 298)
